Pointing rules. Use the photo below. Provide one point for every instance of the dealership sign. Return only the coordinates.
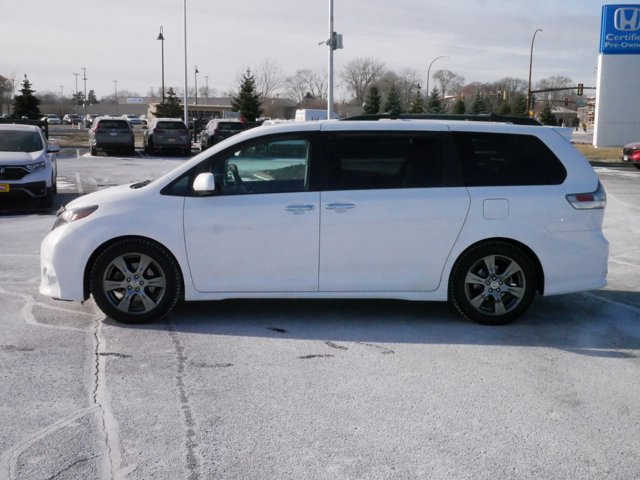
(620, 33)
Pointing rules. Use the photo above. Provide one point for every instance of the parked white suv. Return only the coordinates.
(481, 214)
(28, 167)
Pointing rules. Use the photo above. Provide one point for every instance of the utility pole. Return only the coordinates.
(76, 74)
(84, 77)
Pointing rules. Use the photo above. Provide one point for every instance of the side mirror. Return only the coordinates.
(204, 183)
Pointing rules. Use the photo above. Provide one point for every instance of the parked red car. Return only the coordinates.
(631, 153)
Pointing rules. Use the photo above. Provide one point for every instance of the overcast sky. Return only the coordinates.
(484, 40)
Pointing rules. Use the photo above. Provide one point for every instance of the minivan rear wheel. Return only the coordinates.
(493, 283)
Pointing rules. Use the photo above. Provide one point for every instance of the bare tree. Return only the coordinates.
(556, 81)
(359, 74)
(269, 78)
(305, 85)
(449, 82)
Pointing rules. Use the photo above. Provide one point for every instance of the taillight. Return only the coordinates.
(589, 200)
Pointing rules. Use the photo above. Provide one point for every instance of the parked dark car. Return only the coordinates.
(167, 134)
(71, 119)
(217, 130)
(111, 134)
(631, 153)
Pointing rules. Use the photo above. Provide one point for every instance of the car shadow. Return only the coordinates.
(587, 323)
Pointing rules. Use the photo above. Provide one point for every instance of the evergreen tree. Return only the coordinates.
(393, 104)
(434, 105)
(26, 104)
(373, 100)
(171, 107)
(459, 108)
(546, 117)
(417, 105)
(91, 98)
(247, 102)
(479, 106)
(520, 106)
(505, 109)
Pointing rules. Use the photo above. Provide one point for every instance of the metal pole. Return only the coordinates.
(61, 88)
(530, 67)
(186, 109)
(206, 79)
(161, 38)
(84, 77)
(429, 72)
(76, 74)
(195, 80)
(330, 74)
(115, 83)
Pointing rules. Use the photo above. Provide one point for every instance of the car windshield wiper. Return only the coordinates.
(140, 184)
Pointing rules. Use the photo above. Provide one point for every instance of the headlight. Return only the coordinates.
(67, 216)
(34, 167)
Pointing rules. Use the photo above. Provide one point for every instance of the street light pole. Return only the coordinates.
(429, 71)
(530, 68)
(195, 77)
(76, 74)
(161, 38)
(115, 83)
(186, 109)
(334, 42)
(84, 77)
(61, 88)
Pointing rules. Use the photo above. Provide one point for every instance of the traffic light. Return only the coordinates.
(581, 89)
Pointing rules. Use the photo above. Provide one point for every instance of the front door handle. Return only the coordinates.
(340, 206)
(299, 208)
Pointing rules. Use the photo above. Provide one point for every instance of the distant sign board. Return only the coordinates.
(620, 32)
(135, 100)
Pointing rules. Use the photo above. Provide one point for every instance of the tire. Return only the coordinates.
(637, 165)
(94, 151)
(47, 200)
(130, 294)
(493, 283)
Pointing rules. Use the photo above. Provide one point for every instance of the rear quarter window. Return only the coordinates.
(499, 159)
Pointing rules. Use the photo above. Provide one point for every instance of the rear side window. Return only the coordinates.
(117, 124)
(498, 159)
(383, 160)
(235, 126)
(171, 126)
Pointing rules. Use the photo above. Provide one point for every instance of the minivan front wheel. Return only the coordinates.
(493, 283)
(135, 281)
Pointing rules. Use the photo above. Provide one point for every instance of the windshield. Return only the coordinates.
(20, 142)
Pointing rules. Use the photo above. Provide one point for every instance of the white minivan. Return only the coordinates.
(483, 215)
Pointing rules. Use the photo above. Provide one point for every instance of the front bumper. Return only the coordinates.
(25, 190)
(64, 254)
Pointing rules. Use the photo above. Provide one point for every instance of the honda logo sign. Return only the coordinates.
(620, 34)
(627, 19)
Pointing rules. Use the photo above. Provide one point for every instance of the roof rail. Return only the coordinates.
(490, 117)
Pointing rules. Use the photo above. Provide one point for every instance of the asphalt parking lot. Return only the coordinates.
(316, 389)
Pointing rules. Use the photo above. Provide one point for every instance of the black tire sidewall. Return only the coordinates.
(159, 255)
